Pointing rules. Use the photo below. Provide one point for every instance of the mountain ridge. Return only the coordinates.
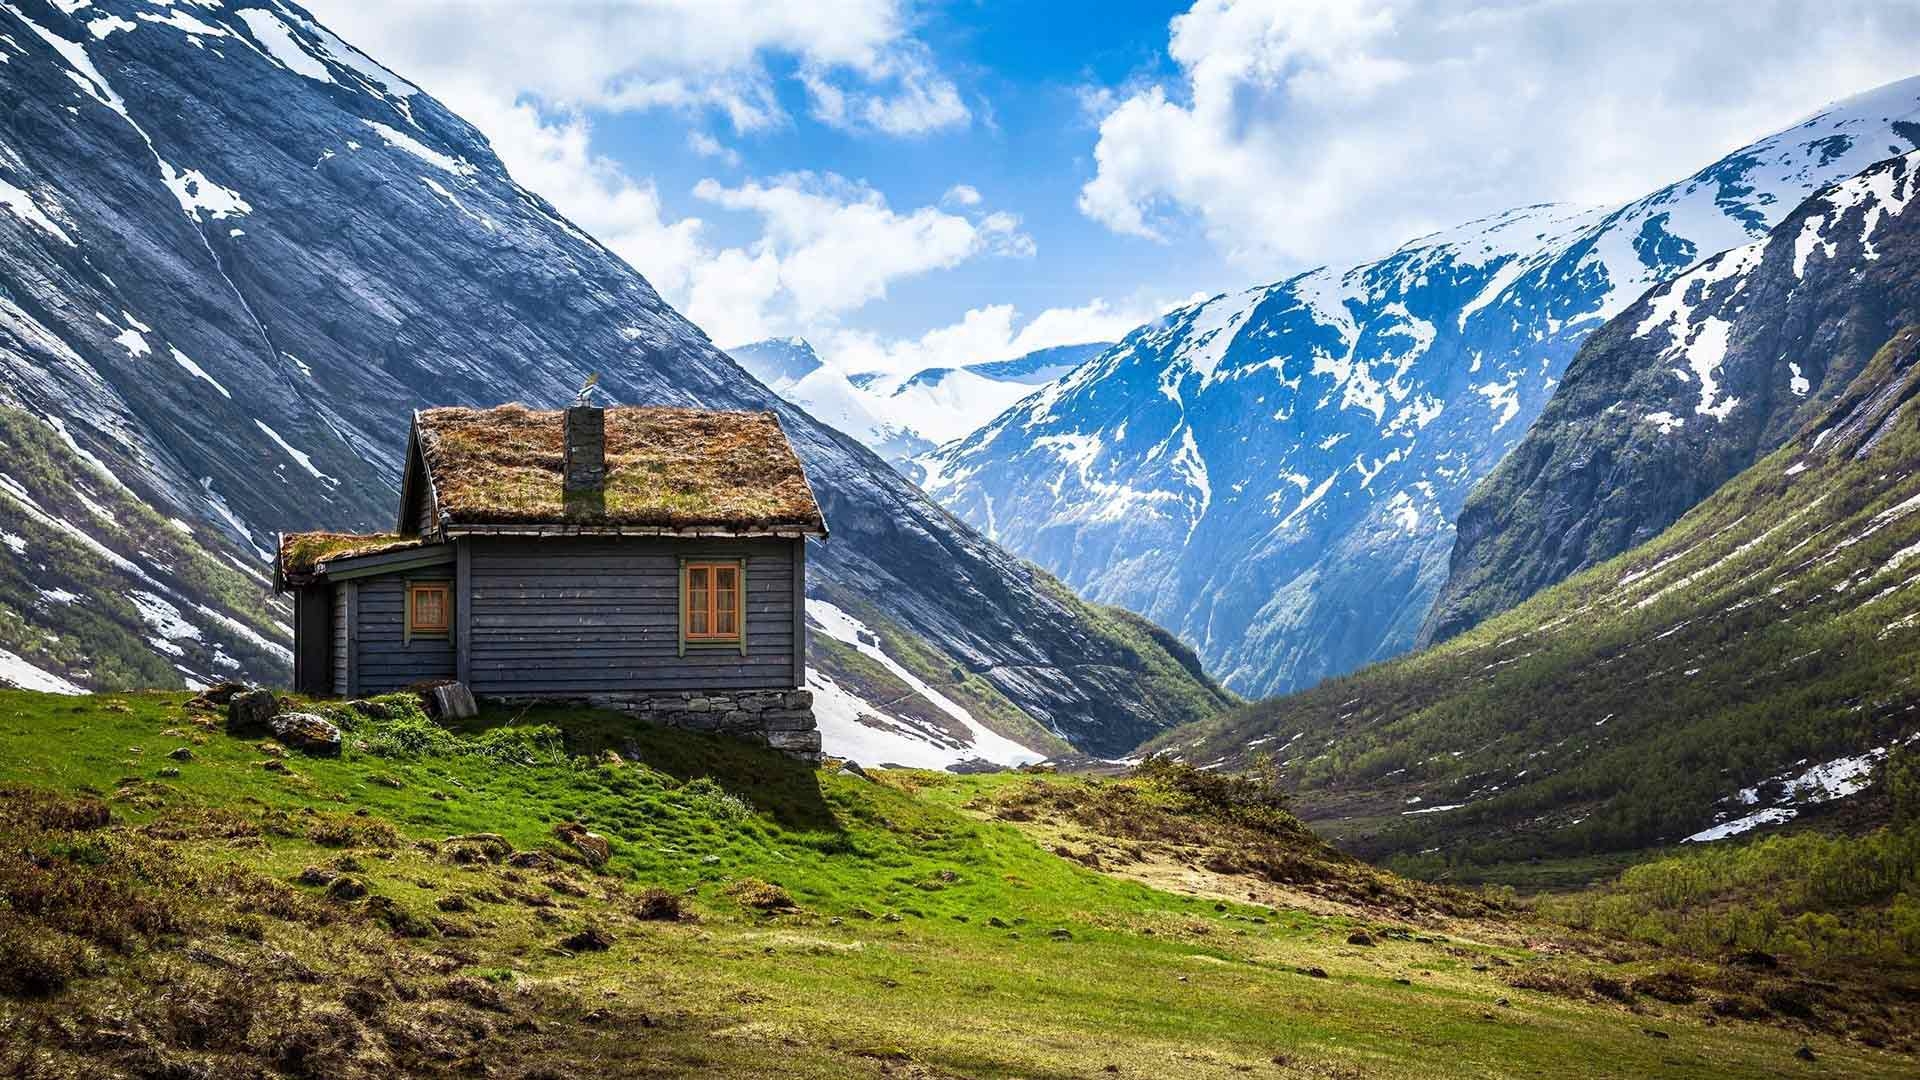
(1715, 369)
(1273, 475)
(1745, 668)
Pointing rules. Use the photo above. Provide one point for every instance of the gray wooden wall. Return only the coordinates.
(383, 660)
(592, 615)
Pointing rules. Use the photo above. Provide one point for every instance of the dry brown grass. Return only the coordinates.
(665, 467)
(301, 552)
(760, 895)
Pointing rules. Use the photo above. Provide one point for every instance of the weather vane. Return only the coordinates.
(585, 396)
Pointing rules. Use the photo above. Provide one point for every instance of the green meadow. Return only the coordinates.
(179, 902)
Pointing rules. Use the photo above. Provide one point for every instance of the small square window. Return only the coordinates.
(429, 609)
(711, 611)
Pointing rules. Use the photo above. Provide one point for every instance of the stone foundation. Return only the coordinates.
(782, 719)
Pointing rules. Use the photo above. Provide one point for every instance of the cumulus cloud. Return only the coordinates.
(534, 77)
(644, 54)
(994, 332)
(829, 245)
(707, 146)
(1299, 131)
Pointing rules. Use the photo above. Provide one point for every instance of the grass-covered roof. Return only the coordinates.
(666, 467)
(302, 552)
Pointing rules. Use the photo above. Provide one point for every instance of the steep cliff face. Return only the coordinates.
(1693, 383)
(1274, 475)
(235, 253)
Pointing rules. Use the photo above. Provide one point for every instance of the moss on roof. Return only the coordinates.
(301, 552)
(666, 467)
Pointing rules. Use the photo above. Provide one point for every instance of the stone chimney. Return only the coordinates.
(586, 436)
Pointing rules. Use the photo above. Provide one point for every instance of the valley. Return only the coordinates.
(1496, 657)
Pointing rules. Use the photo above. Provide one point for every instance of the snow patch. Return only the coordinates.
(987, 744)
(197, 371)
(283, 46)
(196, 193)
(400, 140)
(27, 210)
(1772, 816)
(17, 672)
(305, 461)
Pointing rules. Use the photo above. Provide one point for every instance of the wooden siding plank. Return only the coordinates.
(797, 580)
(353, 637)
(562, 616)
(463, 610)
(384, 658)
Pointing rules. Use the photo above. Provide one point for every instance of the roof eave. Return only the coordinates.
(729, 532)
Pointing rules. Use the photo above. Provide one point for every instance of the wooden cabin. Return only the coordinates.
(647, 559)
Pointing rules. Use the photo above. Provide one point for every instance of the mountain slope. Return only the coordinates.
(789, 367)
(1751, 664)
(98, 589)
(1697, 380)
(235, 254)
(778, 362)
(1274, 475)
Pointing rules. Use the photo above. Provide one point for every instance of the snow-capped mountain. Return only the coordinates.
(1274, 475)
(789, 367)
(1697, 380)
(944, 403)
(901, 417)
(781, 363)
(236, 253)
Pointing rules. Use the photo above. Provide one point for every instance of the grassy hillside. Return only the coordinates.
(177, 902)
(1695, 680)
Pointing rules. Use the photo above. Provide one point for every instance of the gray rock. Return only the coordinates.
(308, 733)
(249, 711)
(449, 701)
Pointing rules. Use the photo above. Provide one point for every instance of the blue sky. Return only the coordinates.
(1028, 149)
(915, 183)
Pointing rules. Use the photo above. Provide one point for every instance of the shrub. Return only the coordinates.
(1254, 802)
(350, 830)
(761, 895)
(705, 795)
(35, 963)
(659, 905)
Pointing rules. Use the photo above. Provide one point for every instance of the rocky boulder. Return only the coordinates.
(448, 701)
(591, 845)
(307, 733)
(249, 711)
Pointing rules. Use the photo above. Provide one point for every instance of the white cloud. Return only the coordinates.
(835, 245)
(553, 155)
(982, 335)
(644, 54)
(533, 77)
(904, 95)
(1306, 130)
(961, 195)
(709, 147)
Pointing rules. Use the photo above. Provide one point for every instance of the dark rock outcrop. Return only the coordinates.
(307, 733)
(250, 711)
